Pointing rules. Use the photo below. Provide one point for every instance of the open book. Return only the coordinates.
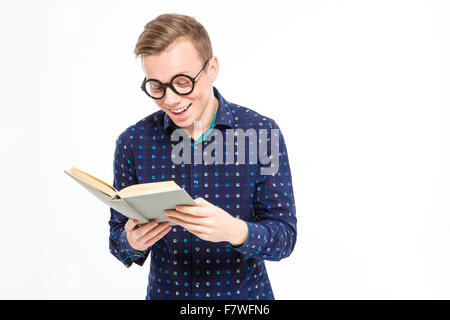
(142, 202)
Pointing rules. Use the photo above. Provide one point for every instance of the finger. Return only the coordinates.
(184, 216)
(153, 232)
(130, 225)
(191, 227)
(202, 202)
(194, 210)
(145, 228)
(150, 242)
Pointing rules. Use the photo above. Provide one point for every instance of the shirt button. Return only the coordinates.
(195, 181)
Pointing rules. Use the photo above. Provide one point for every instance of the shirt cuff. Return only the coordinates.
(256, 240)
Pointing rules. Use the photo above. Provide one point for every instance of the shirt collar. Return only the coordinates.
(224, 115)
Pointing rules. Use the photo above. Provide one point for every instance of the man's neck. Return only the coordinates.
(205, 120)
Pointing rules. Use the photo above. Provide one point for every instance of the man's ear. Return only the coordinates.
(213, 68)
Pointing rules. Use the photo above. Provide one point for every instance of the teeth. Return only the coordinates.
(180, 110)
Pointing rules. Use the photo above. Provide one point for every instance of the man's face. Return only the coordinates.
(182, 58)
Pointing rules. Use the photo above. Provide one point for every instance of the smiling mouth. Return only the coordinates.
(180, 110)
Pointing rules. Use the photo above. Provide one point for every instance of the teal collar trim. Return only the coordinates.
(207, 132)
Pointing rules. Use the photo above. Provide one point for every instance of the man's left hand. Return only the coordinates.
(209, 222)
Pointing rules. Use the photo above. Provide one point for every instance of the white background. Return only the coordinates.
(360, 89)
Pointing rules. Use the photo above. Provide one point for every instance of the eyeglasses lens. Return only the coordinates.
(182, 85)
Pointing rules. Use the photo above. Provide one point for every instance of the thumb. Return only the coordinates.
(201, 202)
(130, 225)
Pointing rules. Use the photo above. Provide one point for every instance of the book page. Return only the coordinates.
(94, 182)
(148, 188)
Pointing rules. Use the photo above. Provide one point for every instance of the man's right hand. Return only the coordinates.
(142, 237)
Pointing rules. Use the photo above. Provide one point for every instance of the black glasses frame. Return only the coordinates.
(170, 84)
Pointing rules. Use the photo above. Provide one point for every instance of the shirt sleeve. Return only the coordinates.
(272, 233)
(124, 176)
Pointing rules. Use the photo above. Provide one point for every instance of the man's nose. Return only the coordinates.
(171, 99)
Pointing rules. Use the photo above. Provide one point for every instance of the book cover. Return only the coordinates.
(141, 207)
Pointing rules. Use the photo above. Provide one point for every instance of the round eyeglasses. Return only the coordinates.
(181, 84)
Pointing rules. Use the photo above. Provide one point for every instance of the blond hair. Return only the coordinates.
(166, 29)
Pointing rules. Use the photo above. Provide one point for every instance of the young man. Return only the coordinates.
(243, 215)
